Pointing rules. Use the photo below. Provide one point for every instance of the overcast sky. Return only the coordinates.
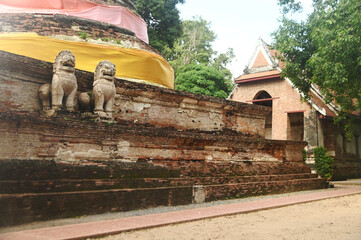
(238, 24)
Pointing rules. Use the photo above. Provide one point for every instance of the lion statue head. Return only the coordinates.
(104, 70)
(64, 61)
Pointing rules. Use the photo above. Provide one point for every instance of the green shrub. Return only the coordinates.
(324, 163)
(304, 155)
(83, 35)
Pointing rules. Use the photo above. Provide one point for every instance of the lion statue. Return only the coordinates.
(104, 89)
(63, 85)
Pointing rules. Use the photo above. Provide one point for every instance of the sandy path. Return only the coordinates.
(332, 219)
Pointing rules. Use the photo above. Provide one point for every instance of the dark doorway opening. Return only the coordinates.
(295, 126)
(264, 98)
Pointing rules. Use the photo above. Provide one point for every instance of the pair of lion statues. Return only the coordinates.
(64, 87)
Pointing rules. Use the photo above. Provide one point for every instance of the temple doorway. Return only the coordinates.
(265, 99)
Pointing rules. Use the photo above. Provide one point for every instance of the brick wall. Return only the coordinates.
(32, 190)
(317, 132)
(135, 102)
(150, 123)
(260, 61)
(67, 137)
(53, 25)
(124, 3)
(289, 100)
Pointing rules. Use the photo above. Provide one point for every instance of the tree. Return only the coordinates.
(162, 18)
(201, 79)
(220, 62)
(324, 50)
(193, 52)
(194, 45)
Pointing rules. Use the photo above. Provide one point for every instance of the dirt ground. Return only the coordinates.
(332, 219)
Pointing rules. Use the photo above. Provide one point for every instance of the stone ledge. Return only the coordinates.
(52, 25)
(66, 136)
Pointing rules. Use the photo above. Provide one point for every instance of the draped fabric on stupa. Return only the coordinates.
(116, 15)
(132, 64)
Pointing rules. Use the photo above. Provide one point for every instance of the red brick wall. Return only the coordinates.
(260, 61)
(289, 100)
(113, 2)
(203, 128)
(134, 102)
(58, 190)
(69, 138)
(161, 143)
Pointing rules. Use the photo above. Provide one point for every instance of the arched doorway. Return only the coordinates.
(265, 99)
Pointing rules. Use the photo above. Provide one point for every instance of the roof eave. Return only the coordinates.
(273, 76)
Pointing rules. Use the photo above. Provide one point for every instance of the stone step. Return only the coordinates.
(29, 207)
(45, 170)
(69, 185)
(22, 208)
(219, 192)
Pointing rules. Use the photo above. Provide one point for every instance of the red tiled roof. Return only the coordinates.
(258, 76)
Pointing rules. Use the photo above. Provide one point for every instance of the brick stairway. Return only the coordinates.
(32, 190)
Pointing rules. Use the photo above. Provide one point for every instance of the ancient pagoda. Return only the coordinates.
(90, 122)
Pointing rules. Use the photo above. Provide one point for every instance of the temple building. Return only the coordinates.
(293, 119)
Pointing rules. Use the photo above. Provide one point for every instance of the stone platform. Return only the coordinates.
(163, 147)
(104, 225)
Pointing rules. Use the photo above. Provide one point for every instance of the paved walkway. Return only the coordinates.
(355, 182)
(107, 227)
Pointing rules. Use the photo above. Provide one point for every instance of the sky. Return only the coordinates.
(238, 24)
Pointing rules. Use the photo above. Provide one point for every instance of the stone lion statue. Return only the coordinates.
(104, 89)
(63, 85)
(64, 81)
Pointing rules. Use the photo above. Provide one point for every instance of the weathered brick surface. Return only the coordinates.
(347, 169)
(28, 170)
(161, 144)
(17, 209)
(318, 130)
(124, 3)
(44, 206)
(288, 99)
(71, 185)
(134, 102)
(260, 61)
(67, 137)
(53, 25)
(69, 190)
(83, 161)
(216, 192)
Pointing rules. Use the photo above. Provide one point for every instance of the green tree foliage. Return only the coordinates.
(201, 79)
(194, 45)
(324, 163)
(193, 52)
(220, 62)
(162, 18)
(324, 50)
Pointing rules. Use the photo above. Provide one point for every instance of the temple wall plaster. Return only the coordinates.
(134, 102)
(149, 123)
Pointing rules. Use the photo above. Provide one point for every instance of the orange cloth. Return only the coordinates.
(133, 64)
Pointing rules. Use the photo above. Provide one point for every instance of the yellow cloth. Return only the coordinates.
(130, 63)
